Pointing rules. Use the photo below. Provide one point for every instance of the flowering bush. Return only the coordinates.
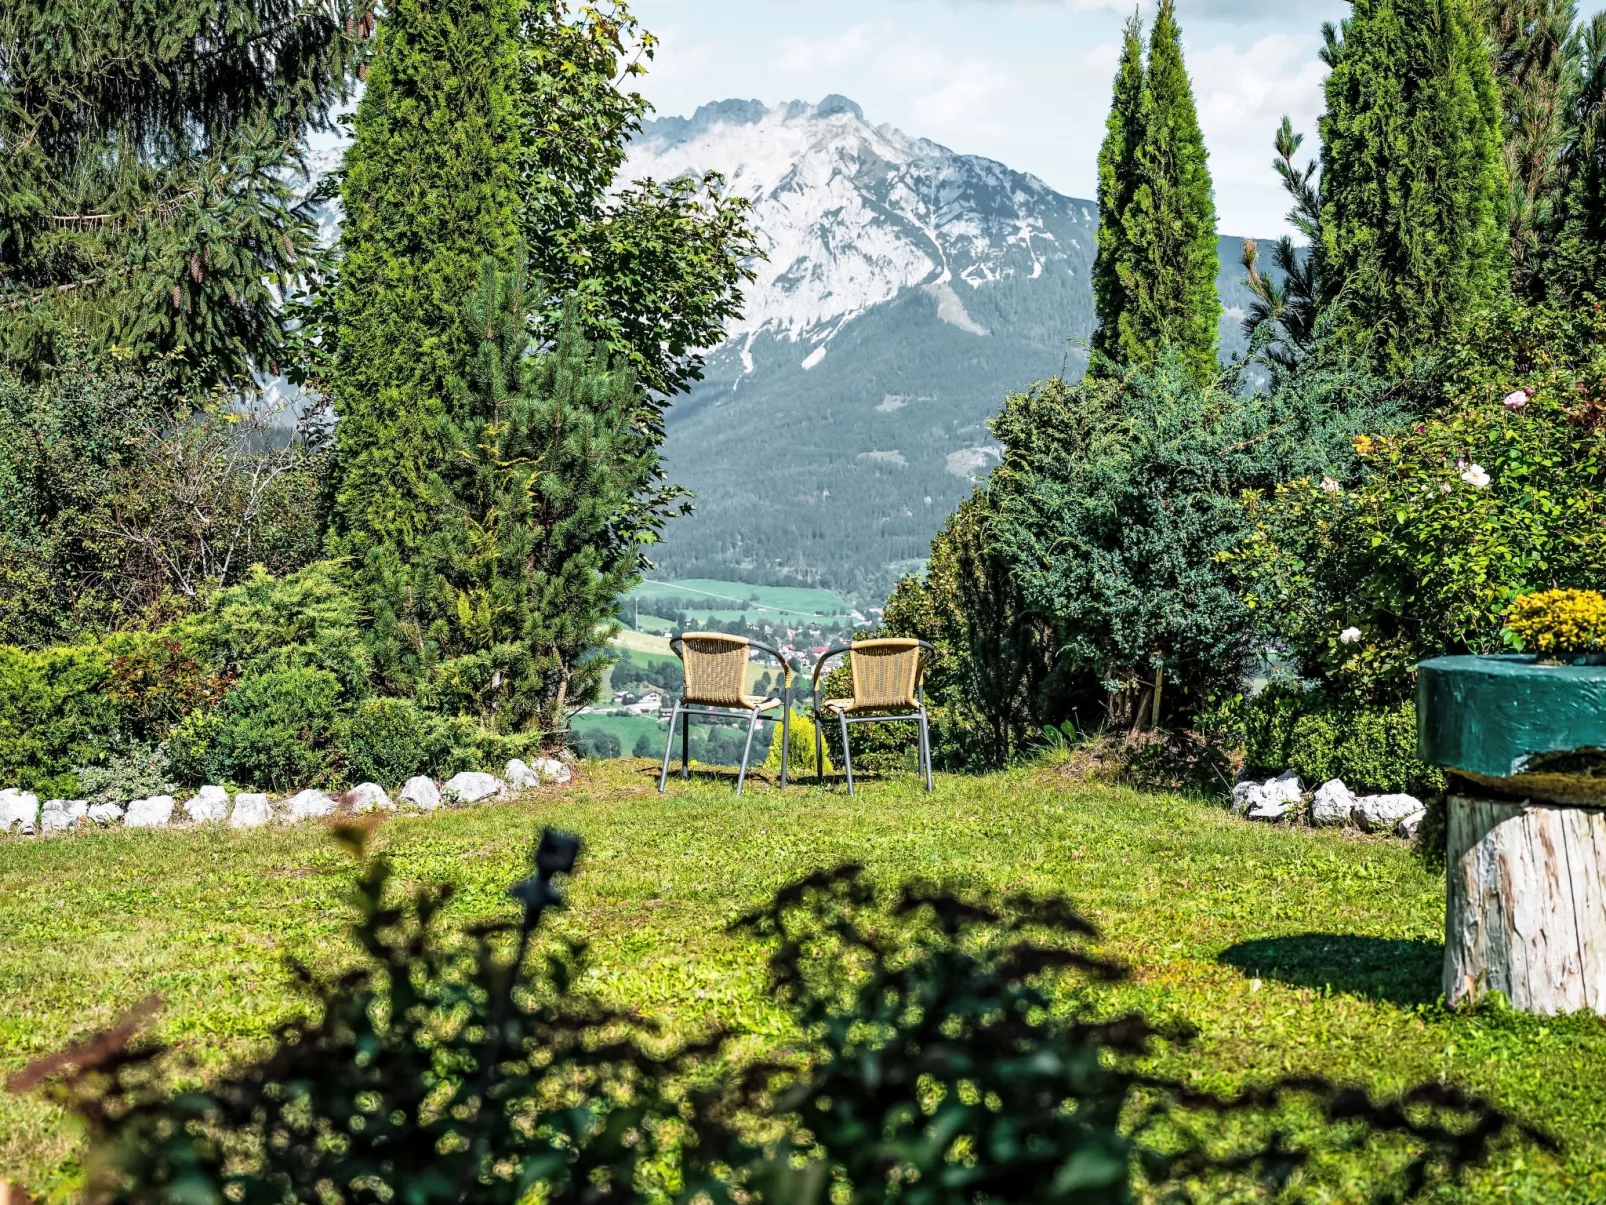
(1559, 621)
(1444, 522)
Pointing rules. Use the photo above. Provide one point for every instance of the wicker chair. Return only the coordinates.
(888, 676)
(716, 674)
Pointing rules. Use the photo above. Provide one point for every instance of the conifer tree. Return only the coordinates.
(1575, 266)
(1536, 67)
(145, 161)
(544, 456)
(1414, 199)
(1117, 182)
(1169, 279)
(430, 190)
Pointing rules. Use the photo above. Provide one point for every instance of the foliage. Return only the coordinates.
(147, 169)
(124, 498)
(1417, 545)
(595, 744)
(1281, 321)
(1576, 259)
(988, 685)
(55, 712)
(1370, 748)
(799, 750)
(138, 773)
(383, 741)
(651, 271)
(1559, 621)
(1117, 183)
(1413, 193)
(1117, 513)
(1159, 269)
(515, 598)
(967, 1034)
(275, 730)
(1535, 67)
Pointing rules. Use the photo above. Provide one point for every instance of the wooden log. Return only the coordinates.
(1526, 910)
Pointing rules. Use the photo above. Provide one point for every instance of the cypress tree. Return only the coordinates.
(1169, 281)
(1414, 204)
(1117, 182)
(430, 190)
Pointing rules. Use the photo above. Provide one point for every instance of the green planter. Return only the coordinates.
(1525, 820)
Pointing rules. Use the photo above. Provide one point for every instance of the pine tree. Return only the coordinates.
(1536, 67)
(144, 173)
(1117, 182)
(542, 464)
(1575, 265)
(1414, 199)
(1169, 281)
(430, 189)
(1288, 305)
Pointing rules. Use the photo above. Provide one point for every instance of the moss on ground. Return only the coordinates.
(1292, 950)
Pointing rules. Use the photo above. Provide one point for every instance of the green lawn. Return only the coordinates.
(797, 602)
(1292, 950)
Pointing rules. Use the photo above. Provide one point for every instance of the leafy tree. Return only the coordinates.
(430, 188)
(1169, 281)
(1535, 67)
(1413, 192)
(1117, 182)
(145, 173)
(517, 595)
(1577, 261)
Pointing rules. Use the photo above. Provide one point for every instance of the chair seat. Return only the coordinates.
(849, 706)
(748, 703)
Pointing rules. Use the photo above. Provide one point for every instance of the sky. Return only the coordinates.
(1026, 82)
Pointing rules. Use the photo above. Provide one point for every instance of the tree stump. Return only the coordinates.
(1526, 909)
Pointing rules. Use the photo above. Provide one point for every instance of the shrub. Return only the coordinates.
(276, 731)
(799, 751)
(55, 711)
(137, 773)
(1559, 621)
(1371, 749)
(382, 741)
(962, 1045)
(596, 745)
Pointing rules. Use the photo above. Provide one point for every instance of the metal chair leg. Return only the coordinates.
(669, 746)
(847, 756)
(819, 748)
(685, 746)
(925, 749)
(786, 738)
(747, 751)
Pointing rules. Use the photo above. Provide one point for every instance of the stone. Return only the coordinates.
(1284, 789)
(1333, 804)
(421, 792)
(471, 786)
(551, 767)
(59, 815)
(18, 808)
(251, 810)
(368, 797)
(1269, 808)
(209, 805)
(518, 774)
(1380, 813)
(1409, 824)
(104, 813)
(308, 805)
(155, 812)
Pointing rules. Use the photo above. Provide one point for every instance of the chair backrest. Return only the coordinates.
(886, 673)
(716, 668)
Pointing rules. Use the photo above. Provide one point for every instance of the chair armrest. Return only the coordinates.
(819, 666)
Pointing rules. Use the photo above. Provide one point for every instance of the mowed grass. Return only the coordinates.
(1291, 950)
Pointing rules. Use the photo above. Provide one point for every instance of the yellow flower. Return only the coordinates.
(1363, 445)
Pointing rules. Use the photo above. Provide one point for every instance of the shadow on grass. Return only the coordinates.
(1399, 972)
